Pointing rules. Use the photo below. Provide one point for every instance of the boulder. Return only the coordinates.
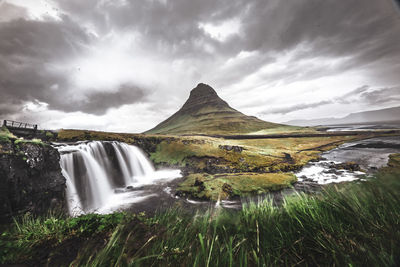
(350, 166)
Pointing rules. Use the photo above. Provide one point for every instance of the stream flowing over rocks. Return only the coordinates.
(105, 176)
(351, 161)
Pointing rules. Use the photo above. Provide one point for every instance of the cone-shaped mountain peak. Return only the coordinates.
(206, 113)
(201, 96)
(202, 90)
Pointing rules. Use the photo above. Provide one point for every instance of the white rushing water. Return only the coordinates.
(104, 176)
(319, 172)
(370, 154)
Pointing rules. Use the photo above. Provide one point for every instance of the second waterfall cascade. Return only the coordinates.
(100, 174)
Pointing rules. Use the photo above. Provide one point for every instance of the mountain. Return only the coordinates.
(372, 116)
(206, 113)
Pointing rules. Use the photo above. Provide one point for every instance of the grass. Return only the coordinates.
(30, 141)
(356, 224)
(23, 241)
(285, 129)
(212, 119)
(226, 185)
(82, 135)
(266, 155)
(5, 135)
(49, 135)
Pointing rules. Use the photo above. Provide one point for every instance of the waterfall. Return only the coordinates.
(98, 173)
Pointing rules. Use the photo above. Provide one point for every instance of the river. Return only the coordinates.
(104, 177)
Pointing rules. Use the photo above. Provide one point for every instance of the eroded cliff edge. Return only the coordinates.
(30, 178)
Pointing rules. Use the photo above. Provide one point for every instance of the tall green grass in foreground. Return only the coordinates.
(356, 224)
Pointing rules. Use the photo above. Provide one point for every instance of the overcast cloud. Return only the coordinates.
(126, 65)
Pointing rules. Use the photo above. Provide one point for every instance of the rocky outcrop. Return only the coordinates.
(237, 149)
(30, 179)
(149, 143)
(350, 166)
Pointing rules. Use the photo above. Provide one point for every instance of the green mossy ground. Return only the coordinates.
(262, 165)
(71, 135)
(7, 138)
(227, 185)
(216, 122)
(5, 135)
(393, 164)
(30, 141)
(264, 155)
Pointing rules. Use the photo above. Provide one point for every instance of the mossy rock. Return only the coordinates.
(227, 185)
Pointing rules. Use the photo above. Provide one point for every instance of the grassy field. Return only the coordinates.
(356, 224)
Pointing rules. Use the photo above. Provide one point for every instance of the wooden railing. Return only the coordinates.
(19, 125)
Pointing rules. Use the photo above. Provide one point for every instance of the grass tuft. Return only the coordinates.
(6, 135)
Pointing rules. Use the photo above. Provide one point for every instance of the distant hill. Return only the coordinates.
(372, 116)
(206, 113)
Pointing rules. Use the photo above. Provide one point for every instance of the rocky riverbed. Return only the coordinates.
(351, 161)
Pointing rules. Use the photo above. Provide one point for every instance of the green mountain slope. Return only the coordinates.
(206, 113)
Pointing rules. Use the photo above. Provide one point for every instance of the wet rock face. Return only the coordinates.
(149, 144)
(30, 180)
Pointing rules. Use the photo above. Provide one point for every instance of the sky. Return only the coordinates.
(126, 65)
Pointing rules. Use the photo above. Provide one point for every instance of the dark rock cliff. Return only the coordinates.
(30, 179)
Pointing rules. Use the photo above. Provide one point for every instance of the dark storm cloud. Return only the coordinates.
(334, 27)
(381, 95)
(172, 26)
(99, 103)
(27, 41)
(356, 91)
(9, 11)
(27, 51)
(397, 3)
(353, 95)
(361, 32)
(9, 108)
(363, 94)
(285, 110)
